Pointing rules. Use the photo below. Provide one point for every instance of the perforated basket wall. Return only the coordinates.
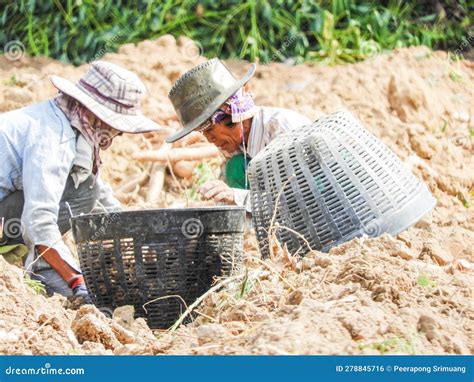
(342, 182)
(133, 257)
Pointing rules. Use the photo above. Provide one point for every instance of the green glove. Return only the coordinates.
(14, 253)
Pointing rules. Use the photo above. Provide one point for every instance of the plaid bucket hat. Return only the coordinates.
(113, 94)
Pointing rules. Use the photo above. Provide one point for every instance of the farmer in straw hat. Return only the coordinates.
(50, 166)
(209, 99)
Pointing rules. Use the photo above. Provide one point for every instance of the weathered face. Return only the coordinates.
(225, 134)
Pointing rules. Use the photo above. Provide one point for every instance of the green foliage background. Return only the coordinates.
(334, 31)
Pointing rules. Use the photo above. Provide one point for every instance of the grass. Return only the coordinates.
(331, 32)
(202, 174)
(456, 77)
(13, 81)
(37, 286)
(425, 281)
(392, 345)
(246, 287)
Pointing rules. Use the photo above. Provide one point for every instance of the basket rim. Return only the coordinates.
(160, 210)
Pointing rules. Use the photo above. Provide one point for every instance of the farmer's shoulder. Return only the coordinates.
(284, 118)
(31, 115)
(40, 120)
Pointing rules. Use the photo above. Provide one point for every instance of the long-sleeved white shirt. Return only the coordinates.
(37, 151)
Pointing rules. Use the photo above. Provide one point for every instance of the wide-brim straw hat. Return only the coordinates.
(112, 94)
(198, 93)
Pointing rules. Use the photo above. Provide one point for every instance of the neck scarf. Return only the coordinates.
(97, 134)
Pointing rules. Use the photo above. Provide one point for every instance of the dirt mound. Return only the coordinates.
(30, 323)
(406, 294)
(367, 296)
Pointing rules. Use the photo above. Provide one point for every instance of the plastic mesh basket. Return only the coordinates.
(341, 182)
(133, 257)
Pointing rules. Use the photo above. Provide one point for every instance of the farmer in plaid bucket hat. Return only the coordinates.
(210, 99)
(50, 166)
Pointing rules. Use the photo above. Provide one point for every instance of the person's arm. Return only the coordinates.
(106, 196)
(46, 164)
(283, 121)
(220, 192)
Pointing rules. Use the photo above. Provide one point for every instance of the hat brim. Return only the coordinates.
(133, 124)
(212, 107)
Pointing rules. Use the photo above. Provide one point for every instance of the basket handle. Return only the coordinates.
(71, 215)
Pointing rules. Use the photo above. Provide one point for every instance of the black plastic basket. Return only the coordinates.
(134, 257)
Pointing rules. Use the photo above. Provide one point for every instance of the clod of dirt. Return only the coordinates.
(91, 325)
(436, 252)
(431, 328)
(123, 315)
(428, 326)
(123, 335)
(318, 258)
(133, 349)
(211, 333)
(396, 247)
(95, 348)
(30, 323)
(8, 337)
(425, 146)
(461, 265)
(295, 297)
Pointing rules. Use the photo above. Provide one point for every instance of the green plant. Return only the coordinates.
(392, 345)
(36, 285)
(329, 31)
(12, 81)
(202, 174)
(425, 281)
(246, 286)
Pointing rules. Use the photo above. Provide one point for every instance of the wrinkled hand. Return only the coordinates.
(218, 191)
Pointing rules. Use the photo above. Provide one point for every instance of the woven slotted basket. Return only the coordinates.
(336, 181)
(166, 256)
